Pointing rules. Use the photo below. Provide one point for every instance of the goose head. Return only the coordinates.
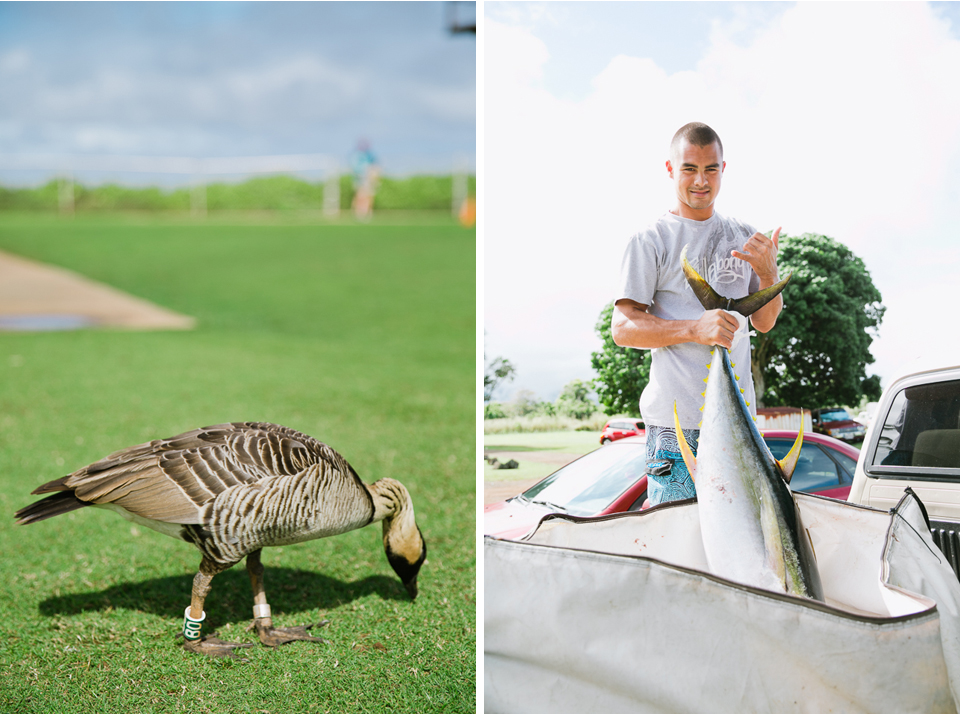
(402, 540)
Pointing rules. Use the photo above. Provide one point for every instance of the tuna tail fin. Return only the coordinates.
(789, 462)
(685, 451)
(712, 300)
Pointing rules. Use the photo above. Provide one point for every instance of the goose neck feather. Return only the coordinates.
(390, 500)
(393, 506)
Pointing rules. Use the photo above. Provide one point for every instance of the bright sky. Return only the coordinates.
(836, 118)
(238, 79)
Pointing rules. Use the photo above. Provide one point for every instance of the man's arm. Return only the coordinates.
(633, 326)
(761, 253)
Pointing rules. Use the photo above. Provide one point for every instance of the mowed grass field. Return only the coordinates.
(528, 449)
(360, 335)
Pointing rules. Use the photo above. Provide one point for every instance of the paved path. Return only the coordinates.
(35, 296)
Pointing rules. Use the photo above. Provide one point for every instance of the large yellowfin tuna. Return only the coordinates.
(750, 522)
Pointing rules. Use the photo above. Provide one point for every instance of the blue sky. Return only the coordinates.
(837, 118)
(237, 79)
(583, 36)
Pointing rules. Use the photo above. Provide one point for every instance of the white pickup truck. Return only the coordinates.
(914, 441)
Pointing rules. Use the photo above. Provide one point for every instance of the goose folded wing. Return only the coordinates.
(280, 452)
(173, 487)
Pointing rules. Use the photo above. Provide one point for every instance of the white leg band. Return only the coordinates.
(191, 627)
(261, 611)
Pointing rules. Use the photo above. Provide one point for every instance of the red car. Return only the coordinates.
(621, 429)
(613, 480)
(826, 465)
(608, 480)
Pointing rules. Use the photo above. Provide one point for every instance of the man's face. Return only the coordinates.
(696, 172)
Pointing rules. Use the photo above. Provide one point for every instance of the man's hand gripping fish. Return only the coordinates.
(750, 522)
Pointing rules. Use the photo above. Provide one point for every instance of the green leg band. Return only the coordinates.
(191, 627)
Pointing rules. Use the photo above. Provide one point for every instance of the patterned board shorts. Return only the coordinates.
(667, 475)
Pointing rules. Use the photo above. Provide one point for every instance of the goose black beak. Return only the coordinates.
(411, 586)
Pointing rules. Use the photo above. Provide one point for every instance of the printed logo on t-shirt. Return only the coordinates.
(727, 269)
(723, 270)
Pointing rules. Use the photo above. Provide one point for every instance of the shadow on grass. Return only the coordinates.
(231, 598)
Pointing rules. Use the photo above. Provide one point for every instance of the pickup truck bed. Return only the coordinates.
(621, 614)
(914, 442)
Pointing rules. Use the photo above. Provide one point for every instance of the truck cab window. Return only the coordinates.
(922, 428)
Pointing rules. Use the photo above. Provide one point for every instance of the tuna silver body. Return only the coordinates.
(749, 520)
(750, 523)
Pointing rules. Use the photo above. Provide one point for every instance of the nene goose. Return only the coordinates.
(231, 490)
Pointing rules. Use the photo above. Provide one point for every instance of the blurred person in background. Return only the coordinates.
(366, 174)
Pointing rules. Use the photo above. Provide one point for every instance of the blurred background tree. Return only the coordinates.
(817, 354)
(496, 373)
(574, 401)
(622, 372)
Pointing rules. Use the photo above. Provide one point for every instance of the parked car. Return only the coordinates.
(836, 422)
(608, 480)
(613, 479)
(621, 429)
(914, 441)
(826, 466)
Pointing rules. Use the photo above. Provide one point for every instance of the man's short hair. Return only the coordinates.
(697, 134)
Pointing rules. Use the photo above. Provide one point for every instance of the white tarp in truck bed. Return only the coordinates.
(619, 614)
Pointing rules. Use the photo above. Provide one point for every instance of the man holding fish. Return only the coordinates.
(657, 310)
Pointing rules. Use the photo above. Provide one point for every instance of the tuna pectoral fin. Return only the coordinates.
(751, 303)
(712, 300)
(685, 451)
(789, 462)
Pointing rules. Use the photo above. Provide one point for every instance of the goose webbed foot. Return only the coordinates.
(275, 636)
(215, 647)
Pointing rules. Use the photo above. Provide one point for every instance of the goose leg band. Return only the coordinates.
(191, 627)
(261, 611)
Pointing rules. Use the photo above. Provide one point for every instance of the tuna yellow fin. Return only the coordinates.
(712, 300)
(685, 451)
(789, 462)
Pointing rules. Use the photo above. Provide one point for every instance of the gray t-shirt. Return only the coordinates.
(651, 275)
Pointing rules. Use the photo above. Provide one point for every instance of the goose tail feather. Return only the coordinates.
(55, 505)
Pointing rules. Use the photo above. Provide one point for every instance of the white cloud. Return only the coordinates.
(14, 61)
(451, 104)
(837, 118)
(288, 78)
(107, 139)
(520, 14)
(303, 73)
(515, 61)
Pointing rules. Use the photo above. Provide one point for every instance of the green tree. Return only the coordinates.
(495, 373)
(819, 350)
(494, 410)
(547, 409)
(622, 372)
(574, 401)
(524, 403)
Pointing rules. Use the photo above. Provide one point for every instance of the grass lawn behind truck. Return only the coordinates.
(538, 454)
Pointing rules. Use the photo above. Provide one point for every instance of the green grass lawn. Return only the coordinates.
(525, 470)
(568, 442)
(360, 335)
(564, 442)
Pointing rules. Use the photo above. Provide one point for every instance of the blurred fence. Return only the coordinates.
(67, 169)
